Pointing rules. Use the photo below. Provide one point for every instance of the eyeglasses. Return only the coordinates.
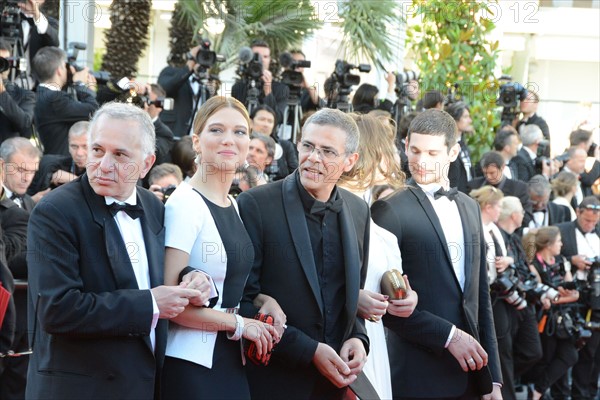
(308, 148)
(594, 207)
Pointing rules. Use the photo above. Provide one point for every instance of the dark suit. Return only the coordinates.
(509, 187)
(284, 268)
(37, 41)
(13, 221)
(556, 214)
(56, 112)
(175, 81)
(457, 171)
(16, 112)
(91, 320)
(539, 121)
(288, 162)
(420, 365)
(524, 164)
(164, 142)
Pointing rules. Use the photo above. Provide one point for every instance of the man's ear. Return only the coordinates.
(147, 164)
(454, 152)
(350, 161)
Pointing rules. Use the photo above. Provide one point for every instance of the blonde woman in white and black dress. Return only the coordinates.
(204, 231)
(378, 164)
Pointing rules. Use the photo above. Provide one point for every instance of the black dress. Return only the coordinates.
(227, 378)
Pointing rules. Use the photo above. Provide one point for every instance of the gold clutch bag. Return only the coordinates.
(392, 285)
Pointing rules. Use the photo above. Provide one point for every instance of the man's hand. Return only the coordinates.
(272, 307)
(2, 88)
(467, 351)
(31, 7)
(38, 196)
(332, 367)
(405, 307)
(198, 281)
(391, 81)
(172, 300)
(495, 395)
(371, 306)
(191, 64)
(354, 355)
(580, 262)
(267, 78)
(504, 262)
(82, 76)
(157, 190)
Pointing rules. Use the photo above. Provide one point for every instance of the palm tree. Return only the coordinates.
(127, 37)
(181, 34)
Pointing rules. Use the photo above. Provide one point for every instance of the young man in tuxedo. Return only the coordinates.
(311, 244)
(447, 348)
(97, 303)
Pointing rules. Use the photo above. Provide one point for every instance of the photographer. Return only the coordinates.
(16, 104)
(559, 330)
(365, 98)
(273, 94)
(506, 143)
(583, 139)
(164, 135)
(581, 245)
(575, 163)
(183, 84)
(309, 95)
(516, 327)
(529, 107)
(164, 179)
(461, 169)
(545, 212)
(55, 110)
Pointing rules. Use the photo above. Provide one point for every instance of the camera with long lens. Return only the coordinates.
(251, 64)
(290, 76)
(511, 93)
(102, 77)
(10, 19)
(9, 63)
(342, 81)
(592, 289)
(127, 93)
(403, 79)
(205, 57)
(506, 285)
(537, 291)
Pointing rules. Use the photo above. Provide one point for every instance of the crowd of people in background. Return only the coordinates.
(252, 265)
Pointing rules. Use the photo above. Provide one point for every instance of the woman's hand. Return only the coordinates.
(264, 336)
(567, 296)
(405, 307)
(371, 306)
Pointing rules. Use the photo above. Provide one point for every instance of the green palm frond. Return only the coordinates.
(366, 25)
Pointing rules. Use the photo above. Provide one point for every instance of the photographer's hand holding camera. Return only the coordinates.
(16, 104)
(37, 30)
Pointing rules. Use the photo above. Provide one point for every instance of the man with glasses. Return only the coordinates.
(311, 243)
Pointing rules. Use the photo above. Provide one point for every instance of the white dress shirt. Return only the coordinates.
(133, 237)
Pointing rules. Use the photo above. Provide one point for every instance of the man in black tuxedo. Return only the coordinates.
(19, 160)
(460, 170)
(529, 108)
(492, 165)
(16, 104)
(97, 307)
(183, 85)
(37, 29)
(311, 243)
(274, 94)
(447, 348)
(525, 161)
(56, 110)
(545, 212)
(581, 241)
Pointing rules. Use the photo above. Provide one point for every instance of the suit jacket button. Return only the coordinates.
(111, 377)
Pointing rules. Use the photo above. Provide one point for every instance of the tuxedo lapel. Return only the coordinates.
(116, 251)
(468, 239)
(351, 260)
(154, 239)
(296, 220)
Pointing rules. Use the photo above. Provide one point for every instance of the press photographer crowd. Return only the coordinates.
(283, 239)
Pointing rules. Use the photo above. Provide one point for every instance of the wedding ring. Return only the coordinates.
(470, 360)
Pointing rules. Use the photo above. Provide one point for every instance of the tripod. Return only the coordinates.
(252, 97)
(401, 106)
(200, 96)
(293, 104)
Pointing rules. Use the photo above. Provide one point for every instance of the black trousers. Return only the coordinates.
(559, 356)
(519, 344)
(584, 373)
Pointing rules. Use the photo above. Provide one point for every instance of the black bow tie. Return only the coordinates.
(134, 211)
(15, 196)
(450, 194)
(319, 207)
(29, 20)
